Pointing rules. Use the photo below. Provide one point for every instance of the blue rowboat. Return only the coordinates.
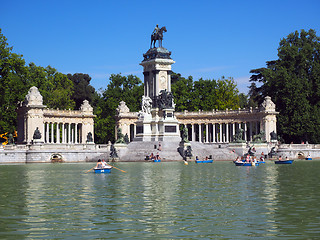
(283, 162)
(205, 161)
(246, 164)
(308, 158)
(157, 160)
(102, 170)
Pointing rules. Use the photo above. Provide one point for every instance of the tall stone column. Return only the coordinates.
(58, 133)
(47, 132)
(200, 132)
(193, 138)
(214, 132)
(63, 133)
(69, 133)
(76, 132)
(52, 132)
(207, 133)
(227, 132)
(245, 131)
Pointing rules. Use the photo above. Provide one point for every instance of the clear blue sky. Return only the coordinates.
(208, 39)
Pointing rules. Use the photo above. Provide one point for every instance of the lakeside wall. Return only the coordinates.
(69, 153)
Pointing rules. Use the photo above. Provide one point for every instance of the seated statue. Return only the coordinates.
(273, 135)
(37, 134)
(89, 137)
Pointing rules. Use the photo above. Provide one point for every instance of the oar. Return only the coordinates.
(117, 168)
(90, 170)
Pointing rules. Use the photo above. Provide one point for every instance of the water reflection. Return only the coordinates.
(167, 200)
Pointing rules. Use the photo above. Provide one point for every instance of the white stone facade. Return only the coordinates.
(56, 126)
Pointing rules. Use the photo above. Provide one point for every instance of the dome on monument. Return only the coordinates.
(154, 53)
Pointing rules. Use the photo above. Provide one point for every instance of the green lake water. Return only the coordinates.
(160, 201)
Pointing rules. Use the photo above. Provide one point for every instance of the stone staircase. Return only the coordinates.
(137, 151)
(202, 150)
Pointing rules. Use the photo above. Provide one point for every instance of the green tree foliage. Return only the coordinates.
(82, 90)
(55, 88)
(204, 94)
(120, 88)
(16, 79)
(12, 85)
(293, 83)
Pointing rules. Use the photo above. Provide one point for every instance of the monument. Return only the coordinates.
(156, 120)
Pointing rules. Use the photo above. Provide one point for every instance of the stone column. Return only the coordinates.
(192, 132)
(52, 135)
(58, 133)
(47, 132)
(69, 133)
(245, 131)
(227, 132)
(63, 133)
(169, 80)
(207, 133)
(233, 130)
(76, 132)
(213, 132)
(220, 131)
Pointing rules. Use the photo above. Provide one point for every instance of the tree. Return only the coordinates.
(204, 94)
(55, 88)
(12, 85)
(181, 89)
(82, 90)
(120, 88)
(293, 83)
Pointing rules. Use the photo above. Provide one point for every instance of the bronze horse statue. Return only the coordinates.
(157, 36)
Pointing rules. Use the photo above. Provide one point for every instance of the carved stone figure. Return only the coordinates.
(146, 104)
(165, 99)
(259, 137)
(185, 135)
(10, 139)
(122, 108)
(126, 138)
(273, 135)
(238, 137)
(89, 137)
(188, 152)
(113, 152)
(37, 134)
(33, 97)
(157, 34)
(120, 137)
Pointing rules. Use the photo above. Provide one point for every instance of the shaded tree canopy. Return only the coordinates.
(82, 90)
(293, 83)
(204, 94)
(120, 88)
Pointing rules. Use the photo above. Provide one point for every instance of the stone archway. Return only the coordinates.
(56, 158)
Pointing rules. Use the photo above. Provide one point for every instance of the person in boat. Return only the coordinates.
(104, 164)
(280, 158)
(99, 164)
(151, 156)
(157, 156)
(206, 158)
(287, 158)
(197, 158)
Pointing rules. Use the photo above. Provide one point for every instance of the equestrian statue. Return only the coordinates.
(157, 34)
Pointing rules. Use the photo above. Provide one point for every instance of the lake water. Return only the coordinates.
(160, 201)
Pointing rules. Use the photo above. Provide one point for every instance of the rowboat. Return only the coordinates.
(156, 160)
(205, 161)
(103, 170)
(283, 162)
(309, 158)
(246, 164)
